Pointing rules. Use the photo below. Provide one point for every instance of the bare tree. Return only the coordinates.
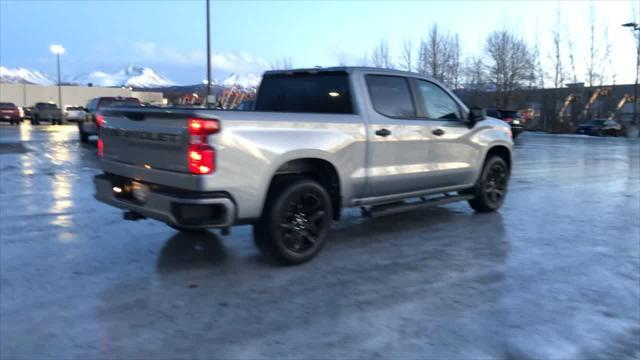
(556, 56)
(537, 71)
(593, 50)
(452, 65)
(572, 60)
(606, 63)
(283, 63)
(380, 56)
(439, 56)
(508, 63)
(407, 55)
(475, 74)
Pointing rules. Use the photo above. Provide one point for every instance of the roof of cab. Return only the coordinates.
(347, 69)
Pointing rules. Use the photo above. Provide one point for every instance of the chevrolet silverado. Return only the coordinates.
(316, 141)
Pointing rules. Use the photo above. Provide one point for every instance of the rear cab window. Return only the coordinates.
(7, 105)
(305, 92)
(391, 96)
(113, 102)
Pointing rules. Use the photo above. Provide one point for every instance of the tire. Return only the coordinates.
(491, 188)
(84, 137)
(295, 221)
(35, 120)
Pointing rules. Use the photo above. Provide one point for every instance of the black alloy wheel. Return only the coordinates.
(491, 188)
(295, 221)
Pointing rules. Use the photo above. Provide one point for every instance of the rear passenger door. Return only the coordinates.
(398, 151)
(452, 156)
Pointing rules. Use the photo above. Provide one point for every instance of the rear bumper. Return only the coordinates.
(189, 210)
(5, 117)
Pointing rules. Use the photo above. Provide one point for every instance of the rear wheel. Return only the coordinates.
(491, 189)
(84, 137)
(295, 221)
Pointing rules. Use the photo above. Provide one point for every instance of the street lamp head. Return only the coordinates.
(57, 49)
(630, 24)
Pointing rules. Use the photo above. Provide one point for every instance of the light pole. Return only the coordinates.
(208, 57)
(58, 50)
(635, 27)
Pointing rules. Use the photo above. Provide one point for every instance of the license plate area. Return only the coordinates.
(131, 190)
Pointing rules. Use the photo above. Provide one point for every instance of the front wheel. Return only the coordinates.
(295, 221)
(491, 189)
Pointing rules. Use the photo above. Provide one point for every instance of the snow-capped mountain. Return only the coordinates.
(131, 76)
(246, 81)
(24, 76)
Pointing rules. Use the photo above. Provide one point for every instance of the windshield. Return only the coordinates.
(7, 105)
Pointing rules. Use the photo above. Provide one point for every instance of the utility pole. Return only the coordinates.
(59, 83)
(208, 56)
(635, 28)
(58, 50)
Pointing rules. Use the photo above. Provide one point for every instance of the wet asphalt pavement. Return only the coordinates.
(554, 274)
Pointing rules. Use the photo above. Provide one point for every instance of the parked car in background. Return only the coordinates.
(43, 111)
(88, 126)
(10, 112)
(74, 113)
(600, 128)
(26, 112)
(511, 117)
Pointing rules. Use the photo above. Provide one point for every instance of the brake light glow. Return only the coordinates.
(203, 126)
(99, 120)
(201, 159)
(100, 147)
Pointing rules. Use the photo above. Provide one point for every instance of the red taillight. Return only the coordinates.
(99, 120)
(508, 120)
(100, 147)
(201, 159)
(203, 126)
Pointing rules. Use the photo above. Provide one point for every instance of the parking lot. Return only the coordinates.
(554, 274)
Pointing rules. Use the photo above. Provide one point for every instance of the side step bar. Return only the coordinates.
(403, 206)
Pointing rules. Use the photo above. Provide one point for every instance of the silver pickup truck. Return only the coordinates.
(318, 140)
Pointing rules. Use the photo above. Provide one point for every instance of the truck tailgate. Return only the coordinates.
(153, 138)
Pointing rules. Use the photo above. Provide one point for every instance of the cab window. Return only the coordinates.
(438, 104)
(390, 96)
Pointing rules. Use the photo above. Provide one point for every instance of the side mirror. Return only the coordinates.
(475, 115)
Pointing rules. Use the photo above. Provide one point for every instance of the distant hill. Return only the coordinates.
(132, 76)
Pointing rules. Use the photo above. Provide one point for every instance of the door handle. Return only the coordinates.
(383, 132)
(438, 132)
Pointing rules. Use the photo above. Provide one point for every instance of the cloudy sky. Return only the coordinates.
(248, 37)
